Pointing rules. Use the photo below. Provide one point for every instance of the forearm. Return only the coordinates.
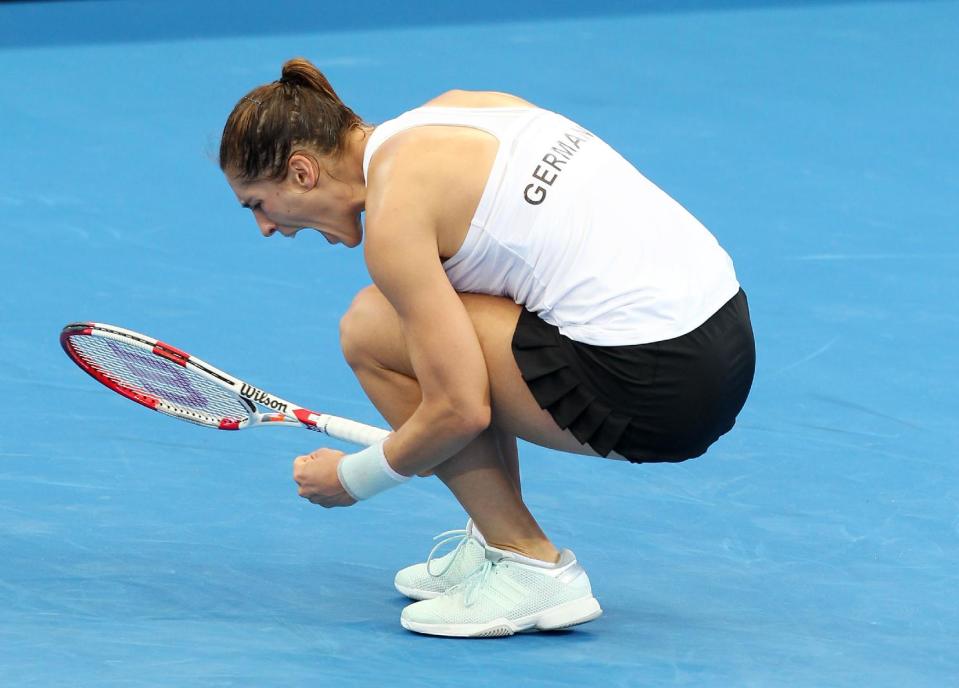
(432, 434)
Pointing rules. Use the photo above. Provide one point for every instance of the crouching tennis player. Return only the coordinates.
(527, 282)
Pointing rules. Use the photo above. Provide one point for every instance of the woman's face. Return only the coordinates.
(313, 195)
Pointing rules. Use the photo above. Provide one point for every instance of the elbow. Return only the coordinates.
(464, 420)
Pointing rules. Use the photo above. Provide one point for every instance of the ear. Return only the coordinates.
(302, 171)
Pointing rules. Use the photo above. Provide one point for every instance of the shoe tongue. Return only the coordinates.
(495, 555)
(474, 532)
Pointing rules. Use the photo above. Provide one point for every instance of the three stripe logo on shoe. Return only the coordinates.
(505, 592)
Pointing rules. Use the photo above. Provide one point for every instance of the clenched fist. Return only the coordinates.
(315, 473)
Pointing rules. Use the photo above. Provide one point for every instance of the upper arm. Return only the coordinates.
(404, 212)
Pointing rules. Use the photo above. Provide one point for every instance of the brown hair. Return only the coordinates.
(301, 109)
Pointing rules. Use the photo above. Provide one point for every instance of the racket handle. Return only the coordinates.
(343, 428)
(357, 433)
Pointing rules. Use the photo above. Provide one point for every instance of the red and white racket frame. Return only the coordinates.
(285, 413)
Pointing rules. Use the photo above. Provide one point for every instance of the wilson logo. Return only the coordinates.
(261, 397)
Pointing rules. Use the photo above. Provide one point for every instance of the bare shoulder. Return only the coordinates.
(409, 158)
(418, 176)
(428, 148)
(434, 176)
(402, 168)
(431, 175)
(431, 148)
(478, 99)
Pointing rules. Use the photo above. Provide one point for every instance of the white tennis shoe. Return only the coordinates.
(508, 594)
(436, 575)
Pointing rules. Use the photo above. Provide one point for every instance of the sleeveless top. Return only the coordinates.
(569, 229)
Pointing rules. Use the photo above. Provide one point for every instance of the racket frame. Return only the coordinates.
(284, 413)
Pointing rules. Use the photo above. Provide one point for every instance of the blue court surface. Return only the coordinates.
(815, 545)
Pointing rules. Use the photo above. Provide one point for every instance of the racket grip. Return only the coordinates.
(344, 429)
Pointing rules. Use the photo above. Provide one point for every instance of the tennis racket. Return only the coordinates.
(171, 381)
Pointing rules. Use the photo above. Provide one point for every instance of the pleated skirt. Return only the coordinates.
(662, 401)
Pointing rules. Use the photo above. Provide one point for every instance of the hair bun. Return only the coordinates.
(301, 72)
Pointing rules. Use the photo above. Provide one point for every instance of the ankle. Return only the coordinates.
(540, 550)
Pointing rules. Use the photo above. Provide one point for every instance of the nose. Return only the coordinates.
(267, 228)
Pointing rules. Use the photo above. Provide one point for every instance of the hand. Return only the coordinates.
(316, 475)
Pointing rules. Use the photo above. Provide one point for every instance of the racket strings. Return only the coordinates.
(168, 382)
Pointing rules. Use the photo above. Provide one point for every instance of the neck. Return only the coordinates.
(355, 150)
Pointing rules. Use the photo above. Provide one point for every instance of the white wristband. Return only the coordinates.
(367, 472)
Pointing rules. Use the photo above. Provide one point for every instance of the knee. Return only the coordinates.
(358, 325)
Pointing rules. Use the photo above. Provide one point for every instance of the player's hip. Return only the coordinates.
(662, 401)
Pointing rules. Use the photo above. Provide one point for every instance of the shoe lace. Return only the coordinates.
(475, 582)
(449, 536)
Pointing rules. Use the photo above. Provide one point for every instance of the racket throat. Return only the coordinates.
(314, 421)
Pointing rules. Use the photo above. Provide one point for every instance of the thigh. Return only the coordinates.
(494, 318)
(514, 409)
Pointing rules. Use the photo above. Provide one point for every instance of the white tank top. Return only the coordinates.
(572, 231)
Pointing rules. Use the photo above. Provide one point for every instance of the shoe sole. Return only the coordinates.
(415, 593)
(554, 619)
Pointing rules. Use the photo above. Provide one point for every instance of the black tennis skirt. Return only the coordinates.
(656, 402)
